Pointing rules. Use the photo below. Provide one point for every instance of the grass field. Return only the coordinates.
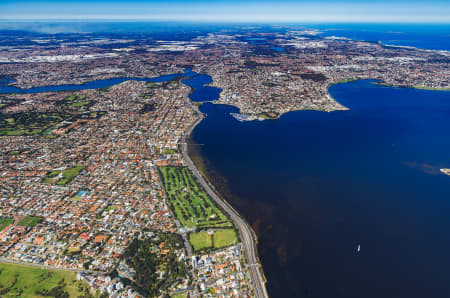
(29, 123)
(200, 240)
(75, 198)
(179, 295)
(111, 208)
(169, 151)
(191, 205)
(28, 281)
(30, 221)
(344, 81)
(77, 101)
(66, 176)
(222, 238)
(4, 222)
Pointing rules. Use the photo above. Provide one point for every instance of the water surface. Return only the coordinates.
(94, 84)
(424, 36)
(315, 185)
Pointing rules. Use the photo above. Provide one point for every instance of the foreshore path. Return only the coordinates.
(248, 237)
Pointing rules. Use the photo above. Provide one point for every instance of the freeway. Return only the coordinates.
(248, 237)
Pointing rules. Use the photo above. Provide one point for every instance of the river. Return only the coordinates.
(315, 185)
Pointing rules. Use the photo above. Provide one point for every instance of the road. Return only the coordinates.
(248, 237)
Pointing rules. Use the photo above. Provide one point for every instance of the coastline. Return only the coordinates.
(337, 107)
(286, 262)
(264, 115)
(247, 235)
(382, 83)
(411, 48)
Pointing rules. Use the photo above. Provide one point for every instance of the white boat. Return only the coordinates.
(359, 248)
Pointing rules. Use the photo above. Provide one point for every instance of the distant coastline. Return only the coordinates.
(381, 83)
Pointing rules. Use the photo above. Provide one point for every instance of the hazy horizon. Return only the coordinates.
(267, 11)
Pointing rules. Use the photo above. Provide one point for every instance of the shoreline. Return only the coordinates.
(247, 236)
(382, 83)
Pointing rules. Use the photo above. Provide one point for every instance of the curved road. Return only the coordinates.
(247, 236)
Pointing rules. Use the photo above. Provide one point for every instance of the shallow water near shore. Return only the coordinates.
(315, 185)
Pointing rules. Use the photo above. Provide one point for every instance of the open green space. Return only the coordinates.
(62, 177)
(269, 84)
(76, 100)
(344, 81)
(221, 238)
(190, 203)
(145, 96)
(224, 237)
(15, 152)
(30, 221)
(180, 295)
(200, 240)
(269, 115)
(75, 198)
(29, 123)
(4, 222)
(111, 208)
(152, 85)
(28, 281)
(169, 151)
(72, 250)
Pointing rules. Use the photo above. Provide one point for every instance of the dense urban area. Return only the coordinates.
(95, 181)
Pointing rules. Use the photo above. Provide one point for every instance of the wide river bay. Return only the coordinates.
(315, 185)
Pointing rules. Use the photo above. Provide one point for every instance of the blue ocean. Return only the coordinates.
(424, 36)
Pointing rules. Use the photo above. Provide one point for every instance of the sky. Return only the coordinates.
(377, 11)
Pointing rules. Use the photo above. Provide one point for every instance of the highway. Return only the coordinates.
(248, 237)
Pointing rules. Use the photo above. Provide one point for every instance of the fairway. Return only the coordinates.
(191, 205)
(28, 281)
(29, 123)
(221, 238)
(76, 100)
